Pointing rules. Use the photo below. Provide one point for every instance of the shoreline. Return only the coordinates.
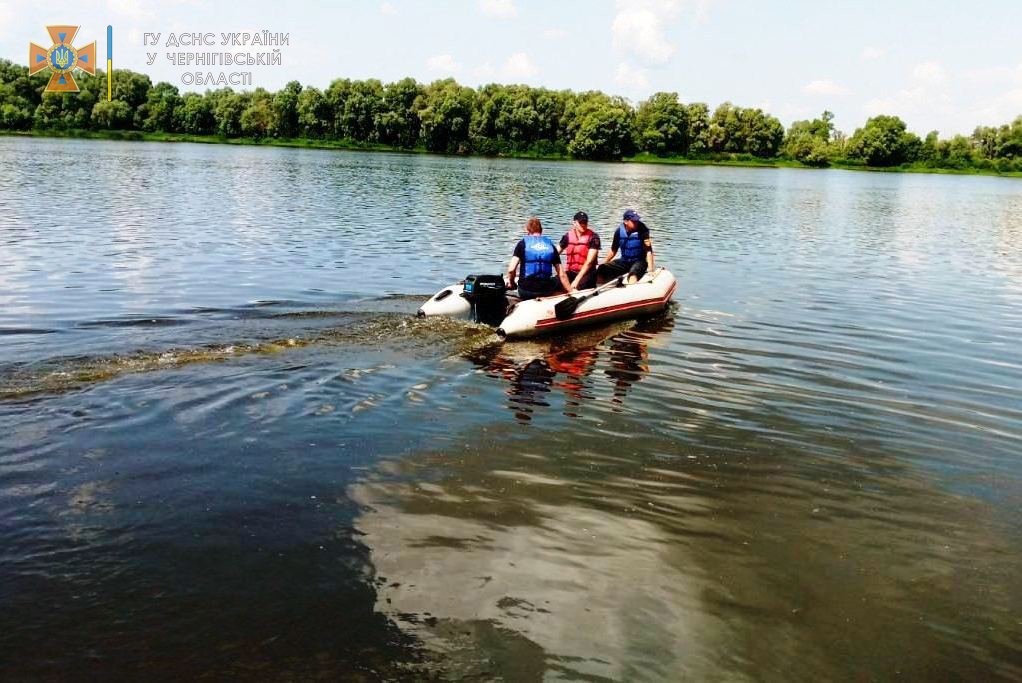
(350, 145)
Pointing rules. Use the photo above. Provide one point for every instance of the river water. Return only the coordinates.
(228, 449)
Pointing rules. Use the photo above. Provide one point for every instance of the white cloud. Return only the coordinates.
(998, 110)
(824, 86)
(1004, 104)
(443, 64)
(994, 74)
(631, 78)
(498, 9)
(134, 9)
(519, 66)
(871, 53)
(484, 72)
(925, 99)
(702, 9)
(638, 28)
(903, 100)
(7, 19)
(929, 72)
(555, 33)
(388, 9)
(793, 112)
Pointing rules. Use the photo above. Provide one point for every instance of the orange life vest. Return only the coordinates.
(577, 250)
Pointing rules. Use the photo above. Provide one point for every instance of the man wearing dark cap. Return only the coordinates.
(632, 239)
(579, 246)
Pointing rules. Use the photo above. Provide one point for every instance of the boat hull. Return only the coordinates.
(448, 302)
(534, 317)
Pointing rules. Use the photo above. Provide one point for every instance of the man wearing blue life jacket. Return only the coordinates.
(633, 240)
(535, 262)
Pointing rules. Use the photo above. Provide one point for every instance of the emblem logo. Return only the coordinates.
(62, 58)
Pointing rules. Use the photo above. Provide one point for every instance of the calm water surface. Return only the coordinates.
(228, 449)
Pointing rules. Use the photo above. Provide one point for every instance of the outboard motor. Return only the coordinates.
(488, 296)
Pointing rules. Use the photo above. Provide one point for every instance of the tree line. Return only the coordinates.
(494, 119)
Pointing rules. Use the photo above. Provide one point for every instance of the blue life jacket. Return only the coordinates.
(539, 257)
(631, 245)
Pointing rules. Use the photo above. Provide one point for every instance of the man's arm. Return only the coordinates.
(615, 243)
(512, 270)
(562, 277)
(650, 260)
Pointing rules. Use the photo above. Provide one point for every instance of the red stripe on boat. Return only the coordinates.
(611, 309)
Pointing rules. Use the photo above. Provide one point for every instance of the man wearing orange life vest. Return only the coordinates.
(579, 246)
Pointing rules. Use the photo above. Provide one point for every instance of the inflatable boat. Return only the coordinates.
(484, 299)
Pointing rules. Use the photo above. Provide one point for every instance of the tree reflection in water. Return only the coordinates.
(533, 369)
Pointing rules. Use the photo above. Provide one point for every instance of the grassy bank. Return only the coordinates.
(743, 160)
(754, 162)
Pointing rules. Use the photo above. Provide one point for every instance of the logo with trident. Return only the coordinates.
(62, 58)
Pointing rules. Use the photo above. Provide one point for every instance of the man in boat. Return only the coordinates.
(579, 246)
(535, 262)
(633, 240)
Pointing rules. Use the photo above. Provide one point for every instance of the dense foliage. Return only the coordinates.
(444, 116)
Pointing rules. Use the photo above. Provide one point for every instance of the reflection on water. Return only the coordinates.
(568, 555)
(534, 369)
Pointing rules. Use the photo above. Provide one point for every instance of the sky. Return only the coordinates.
(939, 64)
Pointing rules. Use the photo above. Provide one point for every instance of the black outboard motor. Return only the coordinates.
(488, 296)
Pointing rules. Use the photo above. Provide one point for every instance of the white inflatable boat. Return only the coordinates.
(482, 298)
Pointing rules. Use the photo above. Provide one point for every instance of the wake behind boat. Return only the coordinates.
(484, 298)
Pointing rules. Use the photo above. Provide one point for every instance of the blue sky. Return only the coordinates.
(939, 65)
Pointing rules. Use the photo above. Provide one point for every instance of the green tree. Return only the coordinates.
(763, 133)
(929, 149)
(257, 119)
(160, 111)
(112, 115)
(506, 119)
(285, 110)
(749, 131)
(698, 116)
(130, 87)
(336, 95)
(445, 110)
(398, 123)
(314, 118)
(883, 141)
(550, 106)
(228, 106)
(14, 117)
(809, 141)
(1010, 140)
(661, 125)
(958, 152)
(20, 94)
(987, 140)
(64, 111)
(17, 102)
(519, 121)
(196, 114)
(599, 127)
(363, 103)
